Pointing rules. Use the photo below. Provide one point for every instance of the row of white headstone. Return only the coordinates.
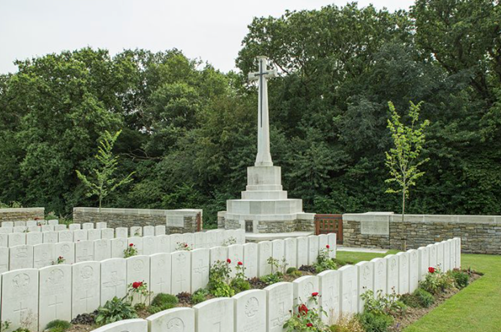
(45, 254)
(33, 297)
(267, 310)
(76, 235)
(11, 224)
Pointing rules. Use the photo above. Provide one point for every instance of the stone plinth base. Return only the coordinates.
(253, 237)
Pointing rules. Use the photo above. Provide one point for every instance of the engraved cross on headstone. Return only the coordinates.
(263, 157)
(55, 304)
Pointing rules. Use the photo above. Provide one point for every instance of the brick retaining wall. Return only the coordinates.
(176, 221)
(479, 234)
(21, 214)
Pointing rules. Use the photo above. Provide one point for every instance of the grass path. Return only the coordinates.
(477, 308)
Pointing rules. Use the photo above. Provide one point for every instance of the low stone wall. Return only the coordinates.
(304, 222)
(176, 221)
(21, 214)
(479, 234)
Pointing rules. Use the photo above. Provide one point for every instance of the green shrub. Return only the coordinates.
(164, 299)
(380, 304)
(115, 310)
(240, 285)
(375, 322)
(271, 279)
(424, 298)
(461, 278)
(58, 325)
(410, 300)
(437, 282)
(21, 329)
(291, 270)
(324, 262)
(219, 280)
(199, 296)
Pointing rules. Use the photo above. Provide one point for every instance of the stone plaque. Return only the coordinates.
(174, 221)
(375, 227)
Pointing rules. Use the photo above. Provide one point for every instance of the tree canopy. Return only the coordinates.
(189, 130)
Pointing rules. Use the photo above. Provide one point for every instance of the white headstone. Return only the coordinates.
(86, 287)
(74, 227)
(250, 259)
(290, 252)
(137, 242)
(330, 301)
(93, 234)
(392, 274)
(66, 250)
(136, 231)
(440, 255)
(65, 236)
(107, 233)
(413, 270)
(447, 255)
(199, 269)
(302, 251)
(50, 237)
(424, 261)
(332, 242)
(452, 253)
(211, 239)
(20, 299)
(175, 320)
(44, 255)
(121, 232)
(47, 228)
(264, 252)
(175, 241)
(84, 251)
(279, 302)
(19, 223)
(7, 224)
(138, 270)
(59, 228)
(181, 272)
(404, 273)
(250, 311)
(21, 257)
(312, 249)
(235, 254)
(458, 252)
(20, 229)
(6, 230)
(278, 251)
(189, 239)
(304, 287)
(365, 281)
(432, 251)
(4, 259)
(35, 229)
(79, 235)
(160, 230)
(34, 238)
(55, 294)
(118, 245)
(128, 325)
(349, 291)
(160, 273)
(4, 240)
(216, 315)
(101, 225)
(113, 279)
(380, 275)
(88, 225)
(200, 240)
(31, 223)
(149, 231)
(323, 241)
(163, 243)
(218, 254)
(53, 222)
(102, 250)
(17, 239)
(150, 246)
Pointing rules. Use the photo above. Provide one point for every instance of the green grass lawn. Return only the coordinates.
(477, 308)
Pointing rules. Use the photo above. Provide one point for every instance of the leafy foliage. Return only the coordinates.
(306, 319)
(162, 302)
(437, 282)
(58, 325)
(324, 262)
(115, 310)
(419, 298)
(461, 279)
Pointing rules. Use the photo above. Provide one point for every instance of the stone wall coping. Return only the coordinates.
(425, 218)
(177, 212)
(13, 210)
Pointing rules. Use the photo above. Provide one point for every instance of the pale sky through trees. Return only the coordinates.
(210, 30)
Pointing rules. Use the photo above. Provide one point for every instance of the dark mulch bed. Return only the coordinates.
(307, 268)
(413, 314)
(256, 283)
(184, 299)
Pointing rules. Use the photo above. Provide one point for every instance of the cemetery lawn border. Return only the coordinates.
(475, 308)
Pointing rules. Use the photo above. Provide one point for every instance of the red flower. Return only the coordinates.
(303, 309)
(131, 245)
(328, 246)
(228, 261)
(431, 269)
(314, 294)
(136, 284)
(185, 245)
(309, 325)
(60, 257)
(240, 263)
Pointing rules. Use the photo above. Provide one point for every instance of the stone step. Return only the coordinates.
(264, 194)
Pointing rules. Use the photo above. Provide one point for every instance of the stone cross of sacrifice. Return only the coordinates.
(263, 157)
